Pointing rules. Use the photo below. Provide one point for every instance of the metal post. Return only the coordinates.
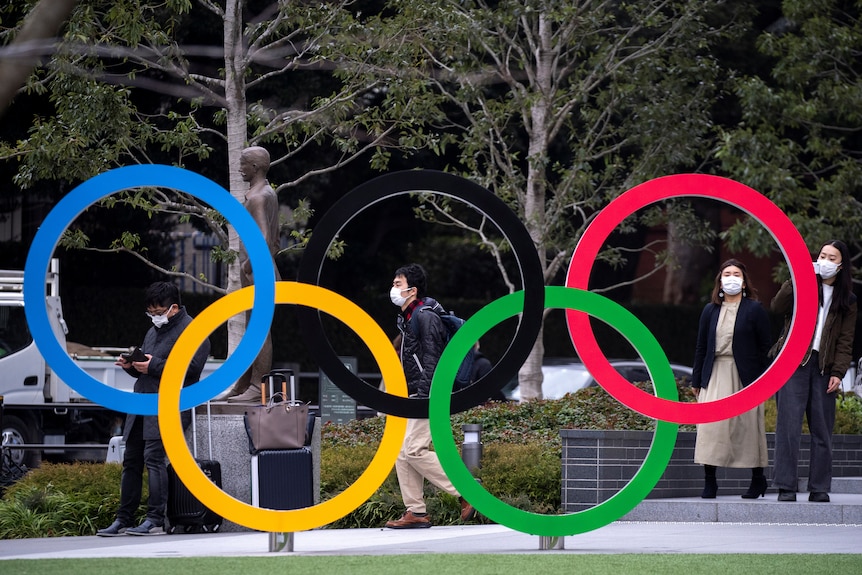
(551, 543)
(471, 449)
(279, 542)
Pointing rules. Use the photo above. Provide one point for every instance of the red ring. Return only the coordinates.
(792, 246)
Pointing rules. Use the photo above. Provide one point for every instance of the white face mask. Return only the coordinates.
(826, 269)
(160, 320)
(731, 285)
(396, 297)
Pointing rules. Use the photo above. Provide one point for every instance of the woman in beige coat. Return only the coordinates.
(733, 341)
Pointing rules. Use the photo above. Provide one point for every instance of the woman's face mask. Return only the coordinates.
(731, 285)
(826, 268)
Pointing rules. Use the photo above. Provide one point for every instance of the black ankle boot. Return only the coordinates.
(710, 485)
(756, 489)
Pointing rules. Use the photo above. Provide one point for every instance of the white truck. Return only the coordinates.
(39, 412)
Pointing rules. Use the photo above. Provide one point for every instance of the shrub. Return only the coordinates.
(57, 500)
(524, 476)
(521, 463)
(848, 415)
(521, 466)
(509, 422)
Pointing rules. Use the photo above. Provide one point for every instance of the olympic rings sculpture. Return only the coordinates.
(529, 303)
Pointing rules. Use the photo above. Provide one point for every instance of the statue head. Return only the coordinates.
(257, 157)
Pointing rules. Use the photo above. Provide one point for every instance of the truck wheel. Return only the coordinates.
(16, 432)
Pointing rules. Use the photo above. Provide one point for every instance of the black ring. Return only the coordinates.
(389, 185)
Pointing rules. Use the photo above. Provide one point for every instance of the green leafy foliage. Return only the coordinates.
(520, 463)
(520, 466)
(525, 476)
(514, 423)
(799, 140)
(848, 415)
(58, 500)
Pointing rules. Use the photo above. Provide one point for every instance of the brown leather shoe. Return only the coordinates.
(409, 521)
(467, 511)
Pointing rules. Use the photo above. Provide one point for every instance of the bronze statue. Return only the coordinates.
(262, 203)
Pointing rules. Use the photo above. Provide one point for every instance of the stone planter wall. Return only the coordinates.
(597, 464)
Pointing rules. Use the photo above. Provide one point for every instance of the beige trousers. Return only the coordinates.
(416, 462)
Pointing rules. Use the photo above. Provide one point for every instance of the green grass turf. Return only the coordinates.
(548, 563)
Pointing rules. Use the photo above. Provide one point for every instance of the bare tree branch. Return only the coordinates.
(43, 21)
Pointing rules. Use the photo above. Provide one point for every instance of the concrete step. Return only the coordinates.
(839, 485)
(843, 509)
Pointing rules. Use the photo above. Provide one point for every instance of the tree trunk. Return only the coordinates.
(530, 375)
(236, 142)
(691, 263)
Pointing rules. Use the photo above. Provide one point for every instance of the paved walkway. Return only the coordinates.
(727, 524)
(618, 537)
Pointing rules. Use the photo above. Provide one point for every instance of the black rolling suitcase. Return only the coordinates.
(282, 478)
(185, 513)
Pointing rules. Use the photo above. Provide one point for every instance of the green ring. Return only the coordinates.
(640, 485)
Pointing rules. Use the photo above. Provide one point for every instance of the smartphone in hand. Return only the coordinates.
(136, 355)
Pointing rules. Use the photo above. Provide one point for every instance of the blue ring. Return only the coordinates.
(99, 187)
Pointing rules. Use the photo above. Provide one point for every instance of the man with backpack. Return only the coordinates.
(423, 337)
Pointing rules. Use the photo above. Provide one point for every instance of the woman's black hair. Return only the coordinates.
(842, 294)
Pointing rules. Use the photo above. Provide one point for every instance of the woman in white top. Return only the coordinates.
(812, 388)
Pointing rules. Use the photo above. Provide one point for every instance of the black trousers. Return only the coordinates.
(804, 394)
(141, 453)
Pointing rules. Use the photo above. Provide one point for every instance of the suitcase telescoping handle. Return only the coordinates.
(269, 382)
(194, 411)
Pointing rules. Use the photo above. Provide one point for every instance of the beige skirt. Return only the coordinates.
(736, 442)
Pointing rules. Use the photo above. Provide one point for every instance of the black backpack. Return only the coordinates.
(453, 323)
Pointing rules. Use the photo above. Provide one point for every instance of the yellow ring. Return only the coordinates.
(271, 520)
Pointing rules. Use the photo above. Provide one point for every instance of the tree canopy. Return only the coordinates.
(800, 138)
(556, 107)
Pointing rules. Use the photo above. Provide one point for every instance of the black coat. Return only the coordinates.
(423, 338)
(752, 338)
(159, 342)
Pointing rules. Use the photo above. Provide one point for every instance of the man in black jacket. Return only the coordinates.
(423, 337)
(144, 447)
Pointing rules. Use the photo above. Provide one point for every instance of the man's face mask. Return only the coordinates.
(160, 320)
(396, 297)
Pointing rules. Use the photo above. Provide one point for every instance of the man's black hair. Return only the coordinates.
(162, 294)
(415, 276)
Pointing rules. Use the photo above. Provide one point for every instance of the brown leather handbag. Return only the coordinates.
(279, 424)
